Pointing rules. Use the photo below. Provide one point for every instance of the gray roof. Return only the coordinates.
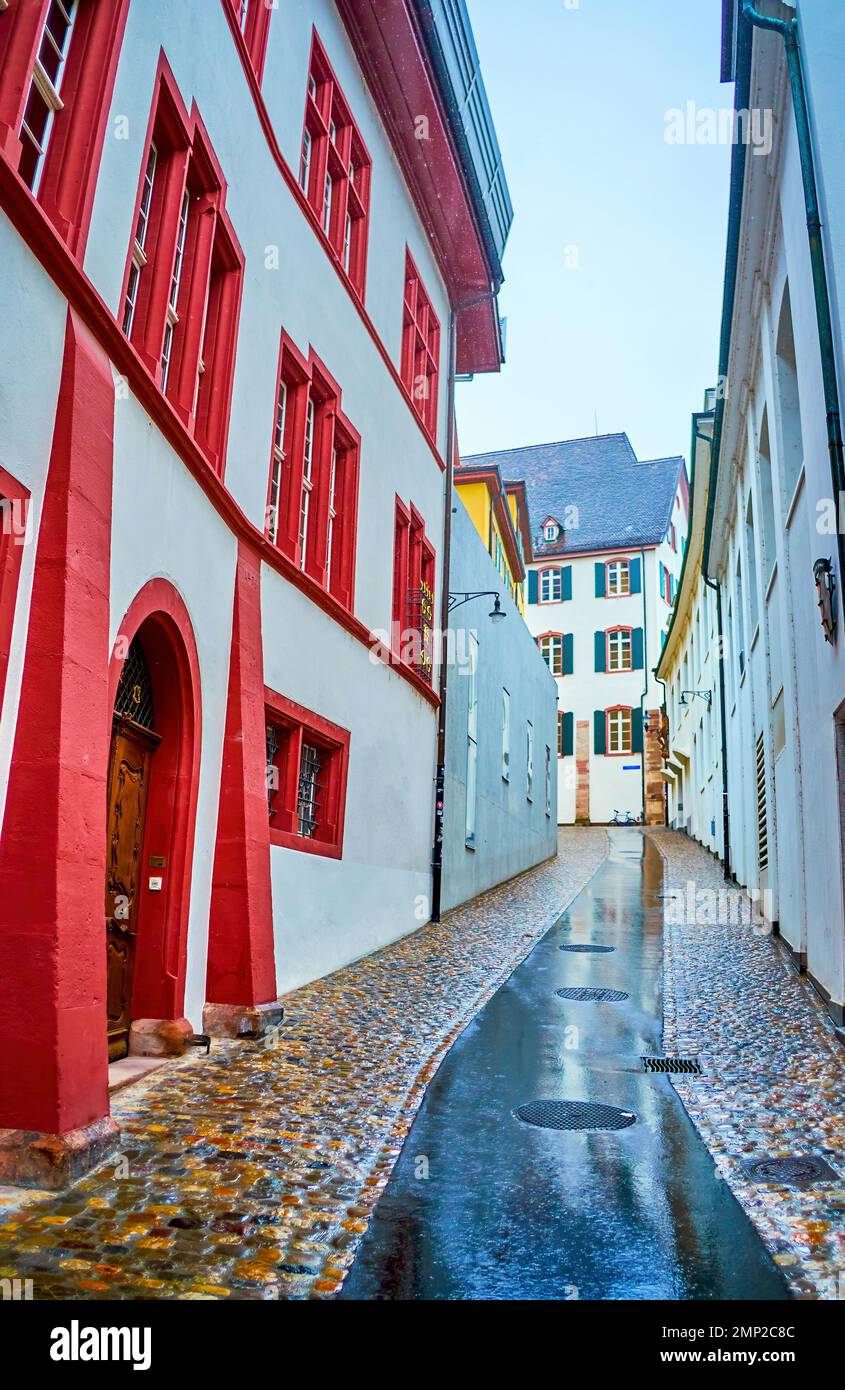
(595, 488)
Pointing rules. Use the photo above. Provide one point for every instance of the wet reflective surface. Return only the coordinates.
(511, 1211)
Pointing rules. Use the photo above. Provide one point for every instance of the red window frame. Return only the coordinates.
(330, 538)
(540, 638)
(252, 25)
(412, 627)
(295, 725)
(549, 569)
(620, 627)
(617, 560)
(673, 538)
(187, 298)
(420, 364)
(14, 514)
(338, 160)
(624, 752)
(67, 177)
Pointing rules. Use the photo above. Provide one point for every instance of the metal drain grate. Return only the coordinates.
(602, 996)
(674, 1066)
(574, 1114)
(586, 948)
(795, 1170)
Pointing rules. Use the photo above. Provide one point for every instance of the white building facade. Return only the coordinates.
(608, 533)
(775, 487)
(225, 309)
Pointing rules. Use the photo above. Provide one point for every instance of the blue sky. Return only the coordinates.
(630, 338)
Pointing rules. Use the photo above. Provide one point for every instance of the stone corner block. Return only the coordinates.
(241, 1020)
(159, 1037)
(54, 1161)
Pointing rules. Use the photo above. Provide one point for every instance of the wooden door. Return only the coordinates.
(129, 772)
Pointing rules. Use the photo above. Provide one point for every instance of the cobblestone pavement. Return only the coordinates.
(253, 1173)
(774, 1081)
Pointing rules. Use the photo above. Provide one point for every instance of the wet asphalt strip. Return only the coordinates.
(484, 1206)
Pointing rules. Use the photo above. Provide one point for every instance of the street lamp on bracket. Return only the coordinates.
(457, 600)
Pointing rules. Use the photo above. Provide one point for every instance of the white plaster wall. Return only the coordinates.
(304, 295)
(328, 912)
(615, 782)
(33, 322)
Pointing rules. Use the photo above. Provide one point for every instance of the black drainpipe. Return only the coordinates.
(788, 30)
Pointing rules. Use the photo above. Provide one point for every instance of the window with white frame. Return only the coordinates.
(551, 531)
(506, 735)
(307, 481)
(618, 578)
(551, 588)
(43, 100)
(278, 462)
(619, 731)
(551, 648)
(305, 161)
(529, 761)
(138, 255)
(619, 657)
(173, 297)
(472, 740)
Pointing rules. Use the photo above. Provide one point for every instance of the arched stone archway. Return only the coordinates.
(152, 803)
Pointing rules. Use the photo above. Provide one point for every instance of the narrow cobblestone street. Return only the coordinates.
(253, 1174)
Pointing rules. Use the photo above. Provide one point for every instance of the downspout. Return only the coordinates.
(788, 29)
(440, 771)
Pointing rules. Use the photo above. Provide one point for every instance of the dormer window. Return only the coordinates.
(551, 530)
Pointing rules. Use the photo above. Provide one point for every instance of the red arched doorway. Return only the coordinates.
(151, 809)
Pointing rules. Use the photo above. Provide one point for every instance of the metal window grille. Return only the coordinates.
(762, 828)
(134, 698)
(272, 744)
(310, 787)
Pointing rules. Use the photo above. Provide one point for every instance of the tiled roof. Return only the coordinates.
(595, 488)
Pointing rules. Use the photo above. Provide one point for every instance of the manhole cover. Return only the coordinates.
(574, 1114)
(586, 948)
(675, 1066)
(796, 1170)
(604, 996)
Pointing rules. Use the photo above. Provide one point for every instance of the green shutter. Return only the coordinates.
(532, 586)
(636, 576)
(568, 653)
(601, 576)
(599, 732)
(637, 651)
(568, 722)
(601, 651)
(566, 582)
(636, 731)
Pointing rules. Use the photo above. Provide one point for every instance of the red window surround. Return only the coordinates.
(334, 169)
(420, 369)
(252, 20)
(14, 509)
(307, 770)
(626, 631)
(182, 284)
(413, 592)
(312, 499)
(550, 646)
(628, 739)
(58, 60)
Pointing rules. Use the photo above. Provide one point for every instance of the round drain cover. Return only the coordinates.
(574, 1114)
(604, 996)
(586, 948)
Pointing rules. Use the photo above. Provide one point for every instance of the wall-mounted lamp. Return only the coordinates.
(456, 600)
(706, 695)
(825, 578)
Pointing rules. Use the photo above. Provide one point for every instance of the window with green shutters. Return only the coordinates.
(620, 649)
(565, 733)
